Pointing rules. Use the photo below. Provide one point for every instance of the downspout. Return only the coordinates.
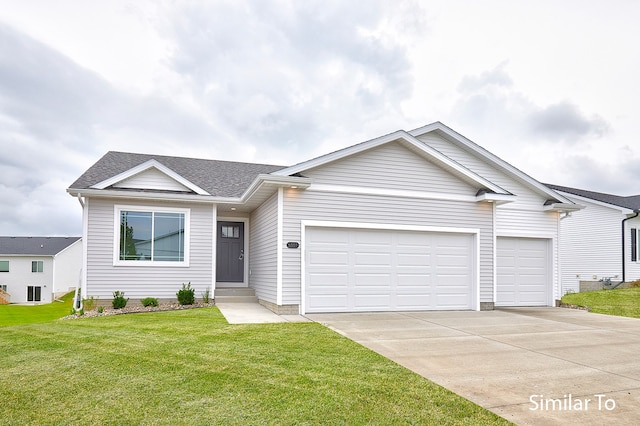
(624, 261)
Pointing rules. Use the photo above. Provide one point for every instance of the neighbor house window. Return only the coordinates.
(152, 236)
(34, 293)
(37, 266)
(4, 266)
(3, 287)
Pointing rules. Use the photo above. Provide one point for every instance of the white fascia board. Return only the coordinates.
(154, 196)
(146, 166)
(563, 207)
(337, 155)
(291, 181)
(623, 210)
(399, 135)
(472, 146)
(497, 198)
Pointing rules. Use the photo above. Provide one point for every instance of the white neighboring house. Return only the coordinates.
(419, 220)
(39, 269)
(596, 239)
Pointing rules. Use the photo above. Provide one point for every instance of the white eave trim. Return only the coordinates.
(496, 198)
(399, 135)
(623, 210)
(563, 207)
(281, 181)
(146, 166)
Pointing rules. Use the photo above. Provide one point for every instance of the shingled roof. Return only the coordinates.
(631, 202)
(218, 178)
(35, 246)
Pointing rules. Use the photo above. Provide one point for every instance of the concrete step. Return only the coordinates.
(235, 295)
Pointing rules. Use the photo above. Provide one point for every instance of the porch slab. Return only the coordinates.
(254, 313)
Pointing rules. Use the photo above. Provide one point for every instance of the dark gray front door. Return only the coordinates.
(230, 256)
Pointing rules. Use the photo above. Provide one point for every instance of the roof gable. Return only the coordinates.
(151, 175)
(476, 150)
(216, 178)
(408, 141)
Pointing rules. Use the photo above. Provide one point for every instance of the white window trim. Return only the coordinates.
(117, 209)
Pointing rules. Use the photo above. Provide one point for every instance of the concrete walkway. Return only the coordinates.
(254, 313)
(537, 366)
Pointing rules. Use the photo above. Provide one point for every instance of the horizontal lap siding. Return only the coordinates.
(391, 166)
(314, 205)
(263, 250)
(591, 245)
(145, 281)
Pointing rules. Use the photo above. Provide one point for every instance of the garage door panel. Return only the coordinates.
(523, 272)
(393, 270)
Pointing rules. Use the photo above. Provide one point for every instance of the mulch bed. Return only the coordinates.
(138, 309)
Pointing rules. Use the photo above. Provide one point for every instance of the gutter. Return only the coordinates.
(624, 261)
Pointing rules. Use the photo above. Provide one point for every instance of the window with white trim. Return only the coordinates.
(149, 235)
(4, 266)
(37, 266)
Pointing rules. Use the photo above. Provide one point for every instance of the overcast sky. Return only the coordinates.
(549, 86)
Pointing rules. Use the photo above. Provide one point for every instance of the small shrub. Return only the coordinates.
(100, 309)
(81, 312)
(206, 296)
(186, 295)
(634, 284)
(149, 301)
(119, 301)
(89, 303)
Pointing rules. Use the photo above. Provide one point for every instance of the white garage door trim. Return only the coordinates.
(548, 259)
(391, 227)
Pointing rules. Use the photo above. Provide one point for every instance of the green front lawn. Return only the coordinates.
(624, 302)
(191, 367)
(26, 314)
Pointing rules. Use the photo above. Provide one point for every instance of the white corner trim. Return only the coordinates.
(146, 166)
(279, 238)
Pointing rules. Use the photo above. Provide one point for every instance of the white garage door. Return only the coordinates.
(523, 272)
(351, 270)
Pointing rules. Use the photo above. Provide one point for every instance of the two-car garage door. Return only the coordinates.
(351, 270)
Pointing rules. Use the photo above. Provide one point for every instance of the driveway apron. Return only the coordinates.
(532, 366)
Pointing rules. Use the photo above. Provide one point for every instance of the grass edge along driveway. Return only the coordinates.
(623, 302)
(191, 367)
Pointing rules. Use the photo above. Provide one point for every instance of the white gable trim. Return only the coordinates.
(438, 126)
(402, 136)
(146, 166)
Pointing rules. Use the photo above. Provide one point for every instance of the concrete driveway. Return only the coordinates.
(540, 366)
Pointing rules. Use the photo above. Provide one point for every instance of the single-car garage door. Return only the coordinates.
(523, 272)
(351, 270)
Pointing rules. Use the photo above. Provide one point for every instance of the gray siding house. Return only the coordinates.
(600, 241)
(39, 269)
(419, 220)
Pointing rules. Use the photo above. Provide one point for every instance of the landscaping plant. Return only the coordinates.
(119, 301)
(186, 295)
(149, 301)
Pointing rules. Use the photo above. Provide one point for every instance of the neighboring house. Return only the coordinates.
(39, 269)
(595, 240)
(420, 220)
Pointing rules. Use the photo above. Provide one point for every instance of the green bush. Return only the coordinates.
(119, 301)
(186, 295)
(149, 301)
(100, 309)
